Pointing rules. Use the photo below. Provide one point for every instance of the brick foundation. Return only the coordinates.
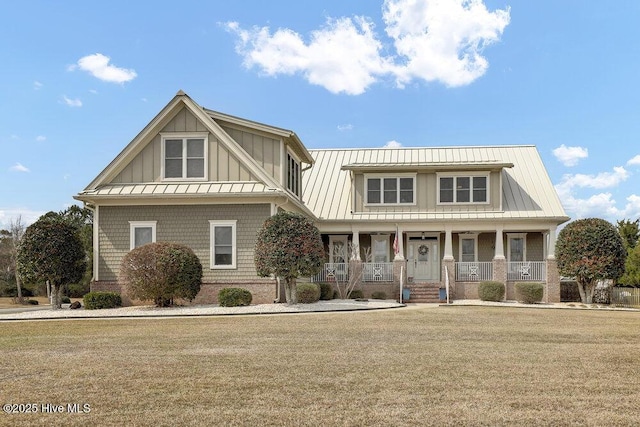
(263, 292)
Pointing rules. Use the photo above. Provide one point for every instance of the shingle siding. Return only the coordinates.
(188, 225)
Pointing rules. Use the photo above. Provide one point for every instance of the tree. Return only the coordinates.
(590, 250)
(631, 276)
(9, 242)
(630, 233)
(51, 250)
(288, 246)
(346, 281)
(82, 220)
(161, 272)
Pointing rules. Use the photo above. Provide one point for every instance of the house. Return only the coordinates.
(431, 215)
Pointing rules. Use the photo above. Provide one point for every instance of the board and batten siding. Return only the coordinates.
(188, 225)
(264, 150)
(426, 193)
(146, 166)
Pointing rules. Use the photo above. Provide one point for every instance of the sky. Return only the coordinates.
(80, 79)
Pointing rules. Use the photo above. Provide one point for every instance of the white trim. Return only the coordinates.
(468, 236)
(234, 250)
(522, 236)
(383, 176)
(141, 224)
(184, 136)
(455, 176)
(96, 243)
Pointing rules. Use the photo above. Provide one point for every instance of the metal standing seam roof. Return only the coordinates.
(527, 189)
(180, 189)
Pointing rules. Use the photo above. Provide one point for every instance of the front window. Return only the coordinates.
(468, 249)
(463, 189)
(141, 233)
(223, 244)
(184, 157)
(380, 245)
(517, 247)
(390, 190)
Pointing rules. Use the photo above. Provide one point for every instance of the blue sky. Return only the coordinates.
(81, 79)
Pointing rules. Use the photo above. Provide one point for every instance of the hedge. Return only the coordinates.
(234, 297)
(491, 291)
(97, 300)
(528, 292)
(308, 293)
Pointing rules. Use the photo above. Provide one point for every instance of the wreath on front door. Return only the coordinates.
(423, 250)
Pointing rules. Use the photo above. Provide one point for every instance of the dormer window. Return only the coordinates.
(390, 190)
(184, 157)
(463, 189)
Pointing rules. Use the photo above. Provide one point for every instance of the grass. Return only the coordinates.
(428, 366)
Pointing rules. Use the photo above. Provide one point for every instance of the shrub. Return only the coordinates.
(7, 290)
(97, 300)
(529, 293)
(379, 295)
(356, 294)
(77, 290)
(234, 297)
(160, 272)
(65, 300)
(326, 291)
(308, 293)
(32, 302)
(491, 291)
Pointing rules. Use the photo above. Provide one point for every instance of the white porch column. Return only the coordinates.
(551, 244)
(356, 246)
(400, 238)
(448, 243)
(499, 254)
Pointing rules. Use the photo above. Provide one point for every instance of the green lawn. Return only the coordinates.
(427, 366)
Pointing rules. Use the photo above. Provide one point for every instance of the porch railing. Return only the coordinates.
(332, 271)
(535, 271)
(474, 271)
(377, 272)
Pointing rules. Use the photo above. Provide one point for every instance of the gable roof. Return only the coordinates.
(527, 189)
(179, 101)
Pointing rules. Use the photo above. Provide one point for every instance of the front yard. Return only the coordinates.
(424, 366)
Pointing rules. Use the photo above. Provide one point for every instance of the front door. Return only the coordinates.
(423, 260)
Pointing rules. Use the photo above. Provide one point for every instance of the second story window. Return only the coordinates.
(390, 190)
(463, 189)
(293, 175)
(184, 157)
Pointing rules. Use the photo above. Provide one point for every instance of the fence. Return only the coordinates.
(625, 297)
(377, 272)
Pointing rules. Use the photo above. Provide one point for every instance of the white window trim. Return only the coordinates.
(188, 135)
(141, 224)
(522, 236)
(382, 177)
(335, 239)
(234, 250)
(286, 172)
(456, 175)
(471, 236)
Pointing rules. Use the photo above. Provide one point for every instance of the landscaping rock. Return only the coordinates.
(75, 305)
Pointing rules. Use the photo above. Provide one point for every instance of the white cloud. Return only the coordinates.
(435, 41)
(570, 156)
(27, 216)
(98, 66)
(442, 40)
(601, 180)
(634, 161)
(346, 127)
(93, 91)
(37, 85)
(41, 138)
(71, 102)
(19, 167)
(392, 144)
